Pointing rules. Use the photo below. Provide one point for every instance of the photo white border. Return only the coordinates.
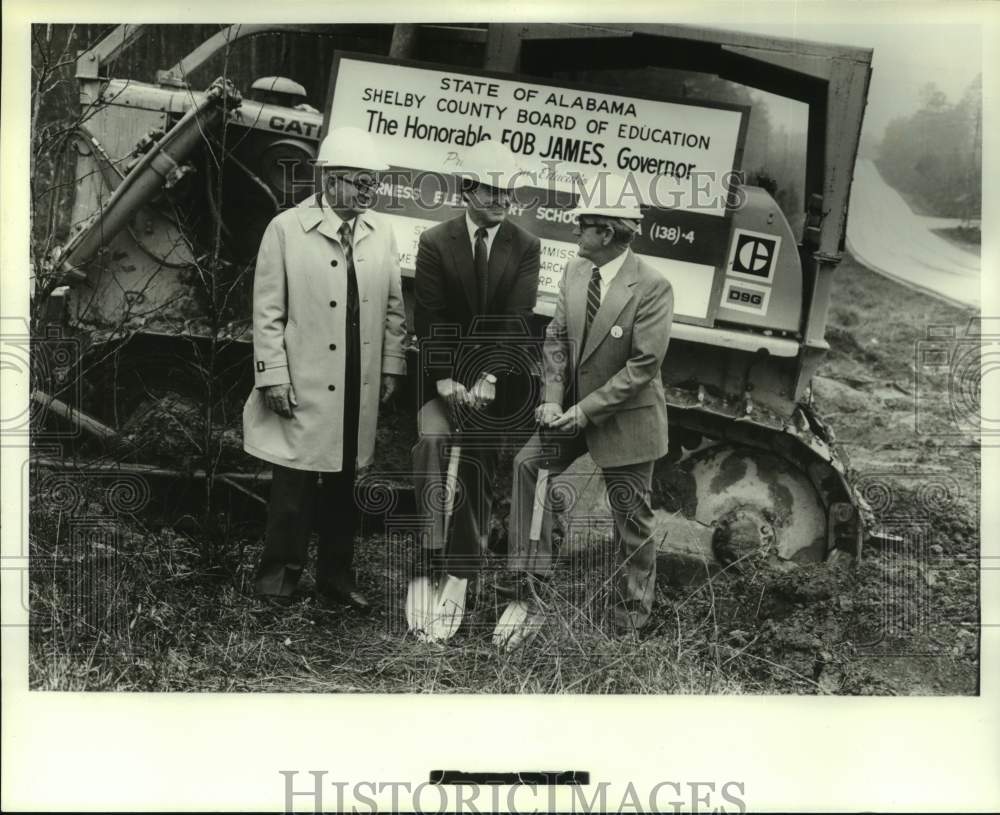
(203, 752)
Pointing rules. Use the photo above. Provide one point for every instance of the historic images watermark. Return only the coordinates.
(959, 358)
(428, 191)
(300, 789)
(84, 516)
(47, 361)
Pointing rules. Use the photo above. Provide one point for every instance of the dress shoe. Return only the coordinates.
(344, 592)
(628, 618)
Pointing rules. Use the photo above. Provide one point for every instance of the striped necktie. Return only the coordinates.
(593, 300)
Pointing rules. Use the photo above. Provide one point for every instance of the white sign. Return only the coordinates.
(678, 158)
(680, 154)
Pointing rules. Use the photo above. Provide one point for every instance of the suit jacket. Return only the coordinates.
(299, 325)
(615, 377)
(446, 297)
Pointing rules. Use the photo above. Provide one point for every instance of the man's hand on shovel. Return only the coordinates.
(455, 394)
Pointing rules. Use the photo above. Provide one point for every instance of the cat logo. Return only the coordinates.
(753, 255)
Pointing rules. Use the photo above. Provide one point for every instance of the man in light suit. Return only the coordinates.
(328, 332)
(602, 356)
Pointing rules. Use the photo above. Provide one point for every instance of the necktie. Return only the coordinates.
(345, 241)
(593, 300)
(482, 264)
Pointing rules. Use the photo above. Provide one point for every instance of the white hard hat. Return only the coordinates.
(278, 84)
(491, 163)
(350, 147)
(610, 196)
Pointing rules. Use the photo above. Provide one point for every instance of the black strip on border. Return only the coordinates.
(550, 778)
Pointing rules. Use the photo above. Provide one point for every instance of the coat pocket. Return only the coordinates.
(647, 397)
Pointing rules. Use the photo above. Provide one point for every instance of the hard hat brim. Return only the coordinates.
(333, 165)
(508, 182)
(624, 214)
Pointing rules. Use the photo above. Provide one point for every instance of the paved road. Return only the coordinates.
(885, 235)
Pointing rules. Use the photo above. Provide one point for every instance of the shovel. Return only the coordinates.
(448, 606)
(520, 621)
(518, 624)
(434, 611)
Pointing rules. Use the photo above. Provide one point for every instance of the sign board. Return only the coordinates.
(679, 155)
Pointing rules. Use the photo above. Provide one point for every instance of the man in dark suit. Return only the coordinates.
(475, 274)
(602, 356)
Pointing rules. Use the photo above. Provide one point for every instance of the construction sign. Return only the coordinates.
(679, 155)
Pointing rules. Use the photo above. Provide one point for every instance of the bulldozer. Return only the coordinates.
(174, 186)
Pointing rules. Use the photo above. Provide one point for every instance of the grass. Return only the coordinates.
(121, 603)
(179, 627)
(190, 631)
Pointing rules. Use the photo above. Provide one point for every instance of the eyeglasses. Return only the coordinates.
(364, 183)
(489, 195)
(588, 224)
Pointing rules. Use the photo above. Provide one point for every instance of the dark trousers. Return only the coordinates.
(473, 507)
(627, 488)
(297, 504)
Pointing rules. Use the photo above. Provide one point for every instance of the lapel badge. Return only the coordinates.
(616, 332)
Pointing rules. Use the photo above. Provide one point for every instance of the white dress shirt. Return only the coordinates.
(608, 272)
(491, 233)
(334, 220)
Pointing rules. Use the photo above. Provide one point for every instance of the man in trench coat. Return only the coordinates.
(328, 338)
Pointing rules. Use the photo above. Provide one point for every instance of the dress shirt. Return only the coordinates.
(491, 233)
(608, 272)
(334, 220)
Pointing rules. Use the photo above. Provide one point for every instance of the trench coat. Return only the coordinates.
(617, 372)
(299, 324)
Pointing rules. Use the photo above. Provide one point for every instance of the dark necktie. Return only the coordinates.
(482, 264)
(345, 241)
(593, 300)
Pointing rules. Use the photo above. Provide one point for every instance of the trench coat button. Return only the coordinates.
(333, 263)
(333, 304)
(331, 387)
(333, 346)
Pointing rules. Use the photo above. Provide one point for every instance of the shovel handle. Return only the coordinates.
(451, 482)
(538, 507)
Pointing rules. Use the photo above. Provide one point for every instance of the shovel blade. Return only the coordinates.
(518, 624)
(448, 608)
(419, 606)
